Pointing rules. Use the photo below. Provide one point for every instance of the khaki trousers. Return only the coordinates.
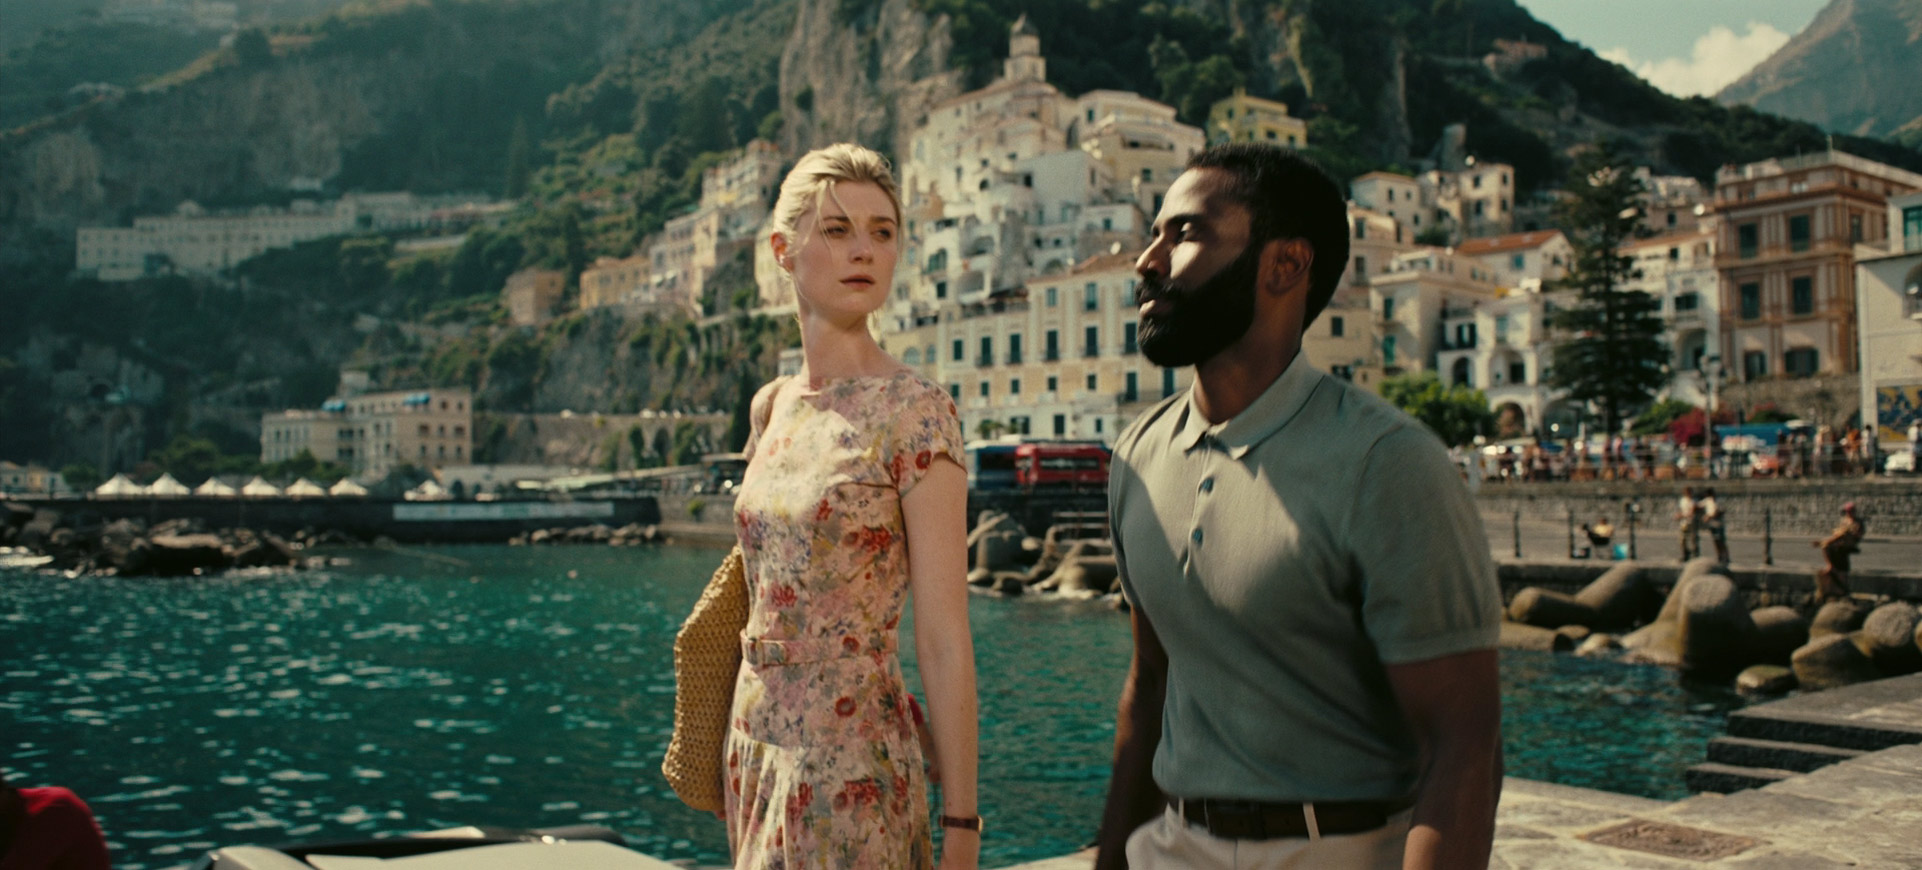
(1170, 843)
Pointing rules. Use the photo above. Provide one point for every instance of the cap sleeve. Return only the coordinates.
(759, 411)
(925, 427)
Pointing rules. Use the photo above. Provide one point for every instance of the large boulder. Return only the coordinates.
(1832, 661)
(995, 542)
(35, 532)
(1621, 597)
(1695, 570)
(1086, 577)
(1599, 645)
(1837, 617)
(265, 550)
(1717, 634)
(178, 555)
(1517, 635)
(1888, 638)
(1545, 608)
(1779, 632)
(1765, 680)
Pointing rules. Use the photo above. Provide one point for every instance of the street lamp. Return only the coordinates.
(1711, 369)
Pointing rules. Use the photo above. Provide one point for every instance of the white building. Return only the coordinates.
(1411, 301)
(376, 432)
(1888, 308)
(1679, 269)
(1541, 256)
(1476, 200)
(1500, 345)
(736, 197)
(195, 241)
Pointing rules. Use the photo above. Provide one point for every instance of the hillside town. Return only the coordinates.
(1791, 283)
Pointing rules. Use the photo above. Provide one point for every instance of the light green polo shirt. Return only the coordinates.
(1284, 557)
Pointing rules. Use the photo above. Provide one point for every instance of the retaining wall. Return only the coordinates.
(1808, 507)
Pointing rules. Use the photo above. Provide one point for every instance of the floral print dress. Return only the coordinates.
(823, 769)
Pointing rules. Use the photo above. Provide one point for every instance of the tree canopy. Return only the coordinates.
(1456, 413)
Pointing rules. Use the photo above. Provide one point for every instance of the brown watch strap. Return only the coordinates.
(966, 823)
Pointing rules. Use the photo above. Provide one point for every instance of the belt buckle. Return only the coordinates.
(1240, 820)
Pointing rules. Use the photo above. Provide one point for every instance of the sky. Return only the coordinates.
(1684, 47)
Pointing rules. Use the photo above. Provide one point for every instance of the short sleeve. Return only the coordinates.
(1428, 582)
(759, 411)
(925, 427)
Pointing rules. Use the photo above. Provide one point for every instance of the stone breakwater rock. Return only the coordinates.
(1832, 661)
(80, 541)
(1779, 632)
(1887, 637)
(1765, 680)
(1702, 627)
(1621, 597)
(1576, 634)
(1087, 570)
(995, 542)
(1837, 617)
(1516, 635)
(1599, 646)
(1544, 608)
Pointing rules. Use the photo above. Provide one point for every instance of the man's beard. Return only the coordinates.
(1194, 325)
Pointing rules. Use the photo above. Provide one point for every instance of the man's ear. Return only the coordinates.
(1286, 263)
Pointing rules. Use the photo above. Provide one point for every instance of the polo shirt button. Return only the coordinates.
(1207, 484)
(1195, 536)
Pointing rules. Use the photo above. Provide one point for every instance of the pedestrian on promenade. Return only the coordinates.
(48, 828)
(1688, 518)
(1833, 580)
(854, 495)
(1601, 535)
(1715, 523)
(1314, 675)
(1915, 444)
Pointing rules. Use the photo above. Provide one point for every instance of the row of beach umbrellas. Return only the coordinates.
(122, 486)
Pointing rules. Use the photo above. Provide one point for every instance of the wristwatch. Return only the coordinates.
(966, 823)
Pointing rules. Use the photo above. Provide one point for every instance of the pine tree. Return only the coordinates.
(520, 155)
(1611, 346)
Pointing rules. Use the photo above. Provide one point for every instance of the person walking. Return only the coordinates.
(1688, 515)
(1832, 581)
(854, 495)
(1314, 674)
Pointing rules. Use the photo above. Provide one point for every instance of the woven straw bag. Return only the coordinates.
(707, 659)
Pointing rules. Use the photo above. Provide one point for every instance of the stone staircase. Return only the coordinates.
(1775, 741)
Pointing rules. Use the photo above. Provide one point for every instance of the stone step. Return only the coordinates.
(1771, 722)
(1728, 778)
(1776, 754)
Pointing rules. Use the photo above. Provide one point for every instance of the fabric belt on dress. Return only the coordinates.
(765, 652)
(1257, 820)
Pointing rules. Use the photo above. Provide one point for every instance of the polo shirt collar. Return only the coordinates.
(1270, 411)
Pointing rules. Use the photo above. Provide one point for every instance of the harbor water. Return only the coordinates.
(417, 688)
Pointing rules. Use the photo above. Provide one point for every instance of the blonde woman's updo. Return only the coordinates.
(820, 170)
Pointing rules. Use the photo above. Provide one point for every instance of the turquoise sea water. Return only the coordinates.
(530, 687)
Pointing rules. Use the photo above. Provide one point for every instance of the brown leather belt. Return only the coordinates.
(1256, 820)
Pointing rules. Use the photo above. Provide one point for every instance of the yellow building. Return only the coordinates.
(375, 432)
(531, 294)
(1242, 118)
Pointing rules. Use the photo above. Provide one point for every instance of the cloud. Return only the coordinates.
(1719, 58)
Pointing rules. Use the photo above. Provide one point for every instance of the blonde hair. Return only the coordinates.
(816, 173)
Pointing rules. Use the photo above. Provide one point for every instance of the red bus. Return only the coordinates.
(1068, 464)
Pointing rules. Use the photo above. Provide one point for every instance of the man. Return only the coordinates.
(1315, 610)
(1716, 523)
(1688, 516)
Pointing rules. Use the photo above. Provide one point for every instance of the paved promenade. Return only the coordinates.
(1863, 814)
(1545, 539)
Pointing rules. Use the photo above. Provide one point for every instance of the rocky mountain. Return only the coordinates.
(1853, 70)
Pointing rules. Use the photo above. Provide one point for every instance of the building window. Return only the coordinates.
(912, 357)
(1091, 346)
(1388, 350)
(1052, 349)
(1388, 308)
(1911, 229)
(1129, 342)
(1751, 299)
(940, 289)
(1051, 297)
(1167, 382)
(1461, 375)
(1361, 268)
(1054, 383)
(1518, 372)
(1798, 232)
(960, 350)
(1014, 386)
(1014, 349)
(1090, 297)
(1687, 302)
(1802, 295)
(1800, 362)
(1060, 425)
(1748, 240)
(1361, 229)
(1855, 228)
(1132, 386)
(1755, 365)
(987, 351)
(954, 392)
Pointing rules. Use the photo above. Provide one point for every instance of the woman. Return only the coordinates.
(854, 495)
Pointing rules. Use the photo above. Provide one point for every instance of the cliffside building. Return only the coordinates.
(376, 432)
(1474, 201)
(1242, 118)
(1888, 307)
(531, 295)
(1786, 254)
(736, 197)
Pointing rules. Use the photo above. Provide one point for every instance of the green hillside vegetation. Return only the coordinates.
(35, 79)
